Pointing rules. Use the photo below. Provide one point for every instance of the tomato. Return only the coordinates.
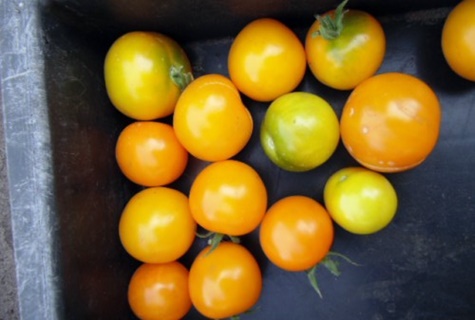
(224, 282)
(360, 200)
(149, 153)
(391, 122)
(159, 291)
(345, 47)
(210, 119)
(156, 225)
(458, 39)
(296, 233)
(300, 131)
(266, 60)
(145, 73)
(228, 197)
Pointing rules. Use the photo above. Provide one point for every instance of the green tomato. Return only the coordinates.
(145, 73)
(300, 131)
(359, 200)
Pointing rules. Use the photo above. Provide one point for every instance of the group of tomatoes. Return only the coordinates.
(389, 123)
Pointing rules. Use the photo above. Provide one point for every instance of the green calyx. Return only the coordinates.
(331, 265)
(215, 238)
(180, 77)
(331, 25)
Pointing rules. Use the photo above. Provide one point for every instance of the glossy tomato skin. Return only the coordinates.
(210, 119)
(266, 60)
(149, 154)
(458, 39)
(394, 131)
(360, 200)
(159, 291)
(300, 131)
(225, 282)
(156, 225)
(355, 55)
(139, 71)
(296, 233)
(228, 197)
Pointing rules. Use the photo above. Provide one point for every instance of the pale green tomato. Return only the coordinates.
(300, 131)
(359, 200)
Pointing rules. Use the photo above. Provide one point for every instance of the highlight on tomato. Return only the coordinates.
(300, 131)
(228, 198)
(224, 282)
(345, 47)
(458, 39)
(156, 225)
(394, 131)
(360, 200)
(210, 119)
(266, 60)
(144, 73)
(159, 291)
(149, 154)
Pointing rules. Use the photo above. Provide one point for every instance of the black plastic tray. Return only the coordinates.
(67, 192)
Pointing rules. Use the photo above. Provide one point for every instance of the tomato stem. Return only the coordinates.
(312, 277)
(331, 25)
(179, 77)
(215, 238)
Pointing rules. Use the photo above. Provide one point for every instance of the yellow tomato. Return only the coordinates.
(145, 73)
(210, 120)
(266, 60)
(156, 225)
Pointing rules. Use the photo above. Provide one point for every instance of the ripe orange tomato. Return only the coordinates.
(228, 197)
(145, 73)
(266, 60)
(224, 282)
(458, 39)
(210, 119)
(347, 51)
(156, 225)
(149, 153)
(296, 233)
(391, 122)
(159, 291)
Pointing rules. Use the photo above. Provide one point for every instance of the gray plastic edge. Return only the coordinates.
(28, 158)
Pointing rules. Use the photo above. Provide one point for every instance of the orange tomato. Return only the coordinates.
(228, 197)
(210, 119)
(296, 233)
(159, 291)
(149, 153)
(156, 225)
(351, 52)
(458, 39)
(391, 122)
(266, 60)
(224, 282)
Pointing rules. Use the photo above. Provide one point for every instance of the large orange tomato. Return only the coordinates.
(391, 122)
(296, 233)
(458, 39)
(156, 225)
(345, 47)
(228, 197)
(149, 153)
(145, 73)
(224, 282)
(159, 291)
(210, 119)
(266, 60)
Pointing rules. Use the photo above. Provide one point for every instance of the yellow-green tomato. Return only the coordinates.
(300, 131)
(145, 73)
(359, 200)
